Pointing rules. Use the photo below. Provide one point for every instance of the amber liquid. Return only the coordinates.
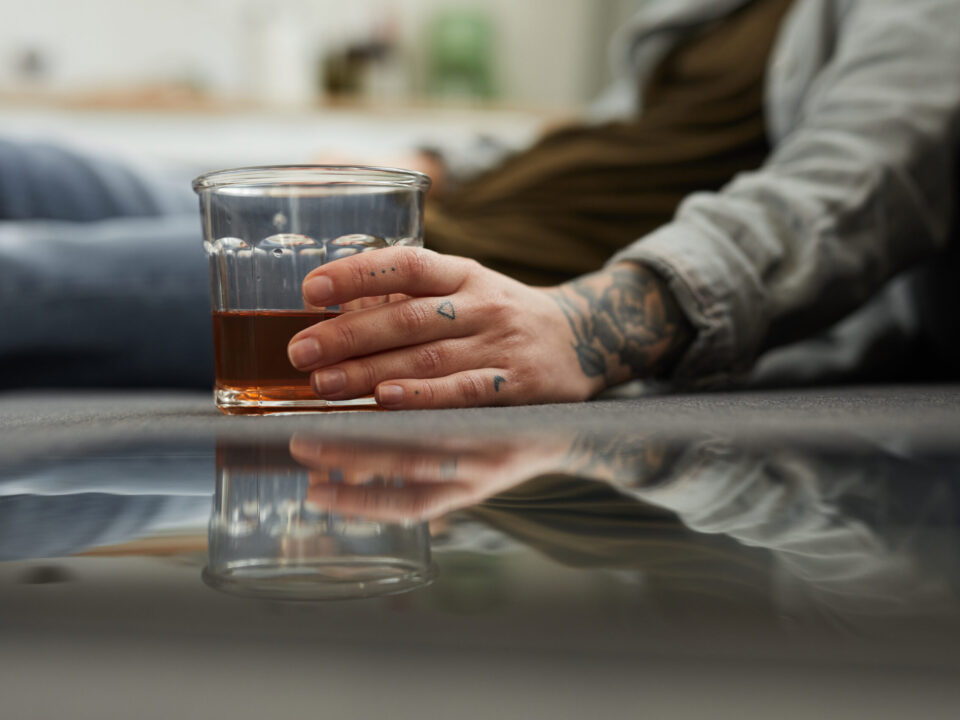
(251, 364)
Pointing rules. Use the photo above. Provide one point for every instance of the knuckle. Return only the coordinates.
(410, 316)
(413, 261)
(527, 381)
(344, 337)
(502, 303)
(500, 315)
(429, 360)
(471, 389)
(513, 340)
(469, 265)
(362, 375)
(427, 394)
(468, 268)
(361, 274)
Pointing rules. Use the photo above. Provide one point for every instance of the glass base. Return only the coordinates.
(236, 402)
(329, 579)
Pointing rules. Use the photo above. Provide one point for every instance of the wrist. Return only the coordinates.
(678, 331)
(625, 324)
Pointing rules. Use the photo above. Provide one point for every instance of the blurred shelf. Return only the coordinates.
(189, 128)
(180, 99)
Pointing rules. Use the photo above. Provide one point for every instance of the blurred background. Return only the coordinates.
(229, 82)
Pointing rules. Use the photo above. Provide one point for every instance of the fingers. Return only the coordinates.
(413, 271)
(390, 504)
(360, 464)
(472, 388)
(356, 378)
(381, 328)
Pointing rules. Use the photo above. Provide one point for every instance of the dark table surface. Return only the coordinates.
(784, 554)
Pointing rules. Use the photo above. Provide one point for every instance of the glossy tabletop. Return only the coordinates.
(739, 555)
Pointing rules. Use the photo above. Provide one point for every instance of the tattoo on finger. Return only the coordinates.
(498, 380)
(445, 309)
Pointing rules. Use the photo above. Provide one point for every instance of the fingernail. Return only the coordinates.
(328, 382)
(317, 290)
(304, 353)
(389, 395)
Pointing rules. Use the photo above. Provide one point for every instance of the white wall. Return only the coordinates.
(550, 52)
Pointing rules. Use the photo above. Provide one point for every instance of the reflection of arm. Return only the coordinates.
(793, 504)
(860, 188)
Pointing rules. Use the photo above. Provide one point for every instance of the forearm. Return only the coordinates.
(625, 324)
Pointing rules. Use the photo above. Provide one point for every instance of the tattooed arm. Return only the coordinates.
(625, 323)
(463, 335)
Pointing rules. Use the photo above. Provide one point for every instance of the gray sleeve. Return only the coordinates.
(860, 189)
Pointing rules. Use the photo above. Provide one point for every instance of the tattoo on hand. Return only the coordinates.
(497, 382)
(625, 324)
(446, 310)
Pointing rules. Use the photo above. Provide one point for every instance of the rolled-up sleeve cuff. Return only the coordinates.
(719, 293)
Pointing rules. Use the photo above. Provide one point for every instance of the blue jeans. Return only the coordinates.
(103, 278)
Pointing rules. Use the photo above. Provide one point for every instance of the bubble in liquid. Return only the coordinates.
(279, 221)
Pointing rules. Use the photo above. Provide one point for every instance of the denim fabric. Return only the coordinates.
(121, 302)
(50, 182)
(99, 284)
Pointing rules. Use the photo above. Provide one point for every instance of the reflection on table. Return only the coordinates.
(846, 534)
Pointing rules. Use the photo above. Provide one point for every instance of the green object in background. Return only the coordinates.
(460, 45)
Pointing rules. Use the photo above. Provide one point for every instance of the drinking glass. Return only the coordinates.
(265, 229)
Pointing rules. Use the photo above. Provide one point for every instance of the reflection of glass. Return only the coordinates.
(266, 539)
(265, 229)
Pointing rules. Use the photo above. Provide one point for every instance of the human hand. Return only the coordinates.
(463, 335)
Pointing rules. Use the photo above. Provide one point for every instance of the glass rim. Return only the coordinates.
(312, 176)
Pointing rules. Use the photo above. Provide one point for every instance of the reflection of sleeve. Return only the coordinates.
(794, 506)
(861, 187)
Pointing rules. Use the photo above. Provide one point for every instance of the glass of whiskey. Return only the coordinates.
(265, 229)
